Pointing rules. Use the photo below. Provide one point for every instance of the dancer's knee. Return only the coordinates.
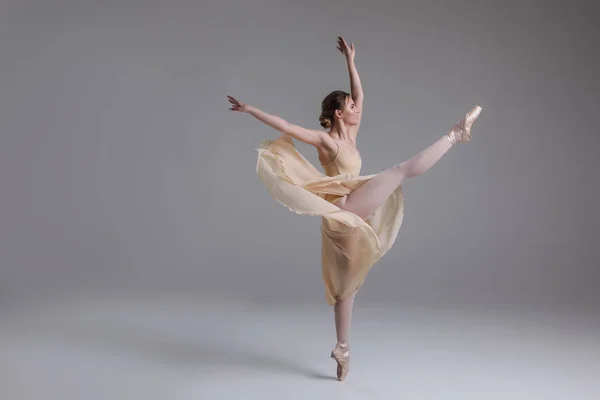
(401, 172)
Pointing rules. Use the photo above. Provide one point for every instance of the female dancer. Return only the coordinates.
(360, 215)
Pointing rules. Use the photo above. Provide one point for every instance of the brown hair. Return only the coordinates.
(332, 102)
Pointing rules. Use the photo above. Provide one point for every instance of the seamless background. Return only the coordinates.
(122, 170)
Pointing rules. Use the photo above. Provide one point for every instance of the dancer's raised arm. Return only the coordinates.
(310, 136)
(356, 89)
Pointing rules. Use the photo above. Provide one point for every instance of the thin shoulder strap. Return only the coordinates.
(336, 154)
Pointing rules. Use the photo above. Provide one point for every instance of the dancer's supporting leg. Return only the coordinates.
(341, 351)
(343, 316)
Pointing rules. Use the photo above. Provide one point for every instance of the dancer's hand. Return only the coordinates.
(237, 105)
(346, 50)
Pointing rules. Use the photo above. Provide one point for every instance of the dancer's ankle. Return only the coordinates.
(451, 136)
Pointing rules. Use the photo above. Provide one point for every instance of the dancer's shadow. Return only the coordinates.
(126, 341)
(239, 358)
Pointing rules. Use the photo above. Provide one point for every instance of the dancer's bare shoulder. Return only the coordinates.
(320, 139)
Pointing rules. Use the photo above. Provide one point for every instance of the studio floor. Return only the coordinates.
(178, 348)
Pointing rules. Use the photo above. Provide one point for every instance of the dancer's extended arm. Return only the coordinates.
(309, 136)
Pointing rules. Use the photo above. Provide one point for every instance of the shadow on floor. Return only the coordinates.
(126, 342)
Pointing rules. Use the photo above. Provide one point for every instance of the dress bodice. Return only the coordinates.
(346, 161)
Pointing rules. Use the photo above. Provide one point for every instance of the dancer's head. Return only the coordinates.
(338, 108)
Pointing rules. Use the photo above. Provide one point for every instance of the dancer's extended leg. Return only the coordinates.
(364, 200)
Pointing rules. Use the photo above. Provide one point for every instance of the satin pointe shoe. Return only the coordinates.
(461, 132)
(342, 356)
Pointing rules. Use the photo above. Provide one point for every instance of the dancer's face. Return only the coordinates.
(349, 115)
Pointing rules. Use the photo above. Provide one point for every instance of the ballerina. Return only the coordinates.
(360, 215)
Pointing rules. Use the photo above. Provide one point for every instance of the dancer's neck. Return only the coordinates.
(341, 133)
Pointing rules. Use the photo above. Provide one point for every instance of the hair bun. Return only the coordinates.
(325, 122)
(334, 101)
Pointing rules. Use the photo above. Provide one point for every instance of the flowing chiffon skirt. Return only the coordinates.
(350, 246)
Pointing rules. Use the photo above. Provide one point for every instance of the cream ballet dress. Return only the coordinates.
(350, 245)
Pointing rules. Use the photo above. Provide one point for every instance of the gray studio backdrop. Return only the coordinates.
(122, 169)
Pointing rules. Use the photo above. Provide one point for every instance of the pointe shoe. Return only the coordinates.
(461, 132)
(342, 357)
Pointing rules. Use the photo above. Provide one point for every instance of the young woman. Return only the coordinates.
(360, 215)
